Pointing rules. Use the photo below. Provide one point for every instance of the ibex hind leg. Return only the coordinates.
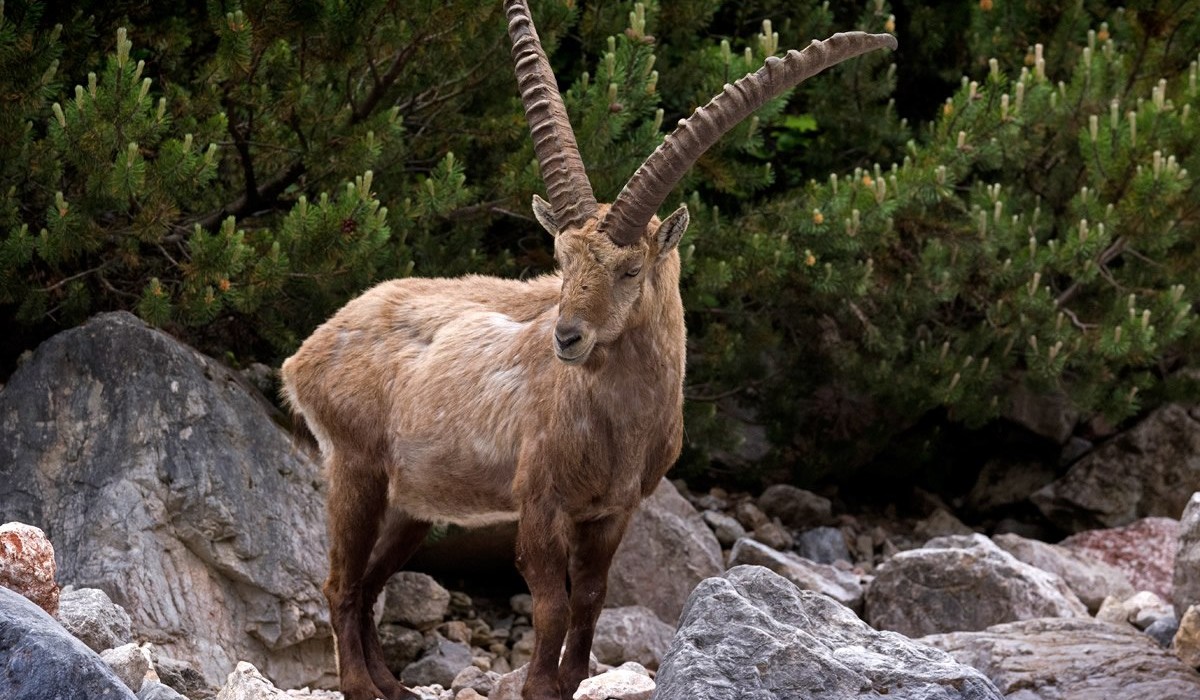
(357, 500)
(593, 544)
(400, 537)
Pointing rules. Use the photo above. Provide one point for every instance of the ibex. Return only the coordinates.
(556, 401)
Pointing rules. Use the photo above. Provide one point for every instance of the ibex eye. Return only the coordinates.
(634, 272)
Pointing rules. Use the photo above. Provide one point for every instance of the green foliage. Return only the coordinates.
(235, 171)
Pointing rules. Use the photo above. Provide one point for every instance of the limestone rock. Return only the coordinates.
(726, 529)
(1149, 470)
(631, 633)
(666, 551)
(39, 660)
(90, 615)
(476, 679)
(795, 507)
(415, 600)
(1050, 415)
(1090, 578)
(1001, 483)
(1187, 638)
(963, 583)
(751, 634)
(1072, 659)
(842, 586)
(1186, 572)
(440, 664)
(129, 663)
(824, 545)
(774, 535)
(27, 564)
(617, 684)
(1163, 630)
(1144, 551)
(163, 480)
(156, 690)
(1140, 610)
(401, 645)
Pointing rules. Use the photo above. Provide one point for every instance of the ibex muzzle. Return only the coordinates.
(479, 399)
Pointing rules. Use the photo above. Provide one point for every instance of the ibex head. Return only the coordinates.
(607, 252)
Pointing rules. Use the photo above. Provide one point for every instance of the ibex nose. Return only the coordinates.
(567, 332)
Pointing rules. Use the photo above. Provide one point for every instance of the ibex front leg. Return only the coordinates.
(356, 501)
(542, 560)
(593, 544)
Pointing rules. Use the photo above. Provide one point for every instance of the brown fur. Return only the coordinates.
(443, 400)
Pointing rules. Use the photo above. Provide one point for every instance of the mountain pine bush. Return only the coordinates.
(883, 250)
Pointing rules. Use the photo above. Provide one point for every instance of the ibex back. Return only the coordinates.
(556, 401)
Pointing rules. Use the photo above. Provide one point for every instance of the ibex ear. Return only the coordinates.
(670, 231)
(544, 213)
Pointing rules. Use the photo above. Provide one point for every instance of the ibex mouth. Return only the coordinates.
(575, 353)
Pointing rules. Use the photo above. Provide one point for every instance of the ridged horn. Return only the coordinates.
(641, 197)
(553, 139)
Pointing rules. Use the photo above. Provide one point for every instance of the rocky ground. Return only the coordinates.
(188, 541)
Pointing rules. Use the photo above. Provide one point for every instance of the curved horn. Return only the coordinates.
(658, 175)
(553, 140)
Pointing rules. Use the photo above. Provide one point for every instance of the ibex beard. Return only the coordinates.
(556, 401)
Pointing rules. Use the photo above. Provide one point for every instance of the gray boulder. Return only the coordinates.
(440, 664)
(1091, 579)
(1186, 575)
(416, 600)
(631, 633)
(963, 583)
(39, 660)
(752, 635)
(154, 690)
(90, 615)
(795, 507)
(726, 528)
(824, 545)
(1149, 470)
(1072, 659)
(163, 481)
(667, 550)
(129, 663)
(842, 586)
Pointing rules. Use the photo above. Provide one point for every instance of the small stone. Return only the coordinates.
(155, 690)
(461, 606)
(618, 684)
(824, 545)
(795, 507)
(416, 600)
(456, 631)
(774, 535)
(939, 524)
(182, 677)
(481, 662)
(246, 683)
(472, 677)
(1187, 639)
(501, 666)
(750, 515)
(522, 651)
(128, 663)
(91, 616)
(469, 694)
(27, 565)
(522, 604)
(481, 633)
(1163, 630)
(728, 530)
(1145, 608)
(632, 633)
(401, 645)
(440, 665)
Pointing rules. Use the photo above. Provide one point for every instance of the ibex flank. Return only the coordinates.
(555, 401)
